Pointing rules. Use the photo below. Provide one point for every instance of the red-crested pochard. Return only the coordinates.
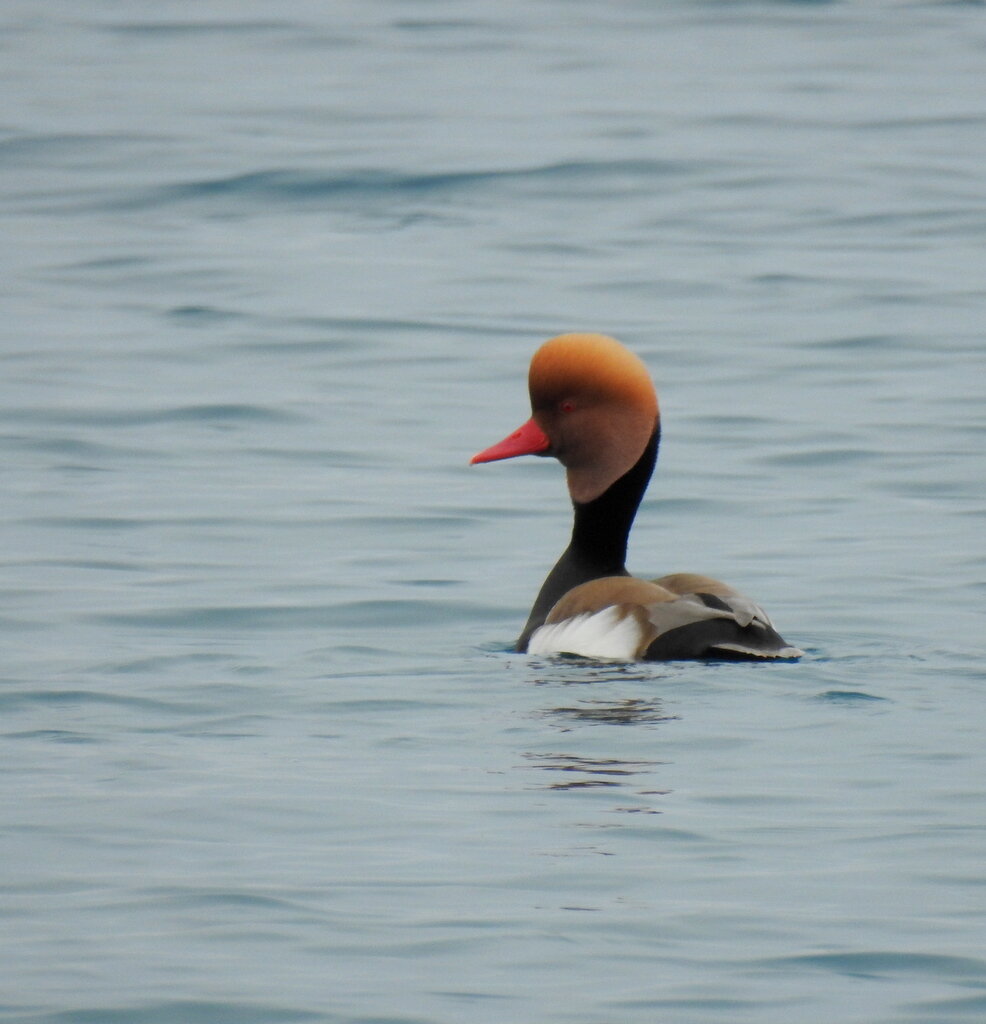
(595, 410)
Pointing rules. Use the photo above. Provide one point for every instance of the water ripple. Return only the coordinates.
(304, 188)
(219, 412)
(187, 1012)
(888, 963)
(371, 614)
(849, 697)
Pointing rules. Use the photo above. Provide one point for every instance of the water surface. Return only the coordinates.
(271, 276)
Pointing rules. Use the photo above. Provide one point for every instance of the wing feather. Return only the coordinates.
(680, 616)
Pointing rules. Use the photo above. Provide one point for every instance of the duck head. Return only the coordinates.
(593, 407)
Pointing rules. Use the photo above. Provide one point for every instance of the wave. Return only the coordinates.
(305, 187)
(215, 412)
(369, 614)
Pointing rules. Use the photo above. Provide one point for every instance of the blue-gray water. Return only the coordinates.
(271, 273)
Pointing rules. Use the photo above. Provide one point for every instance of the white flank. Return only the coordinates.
(603, 634)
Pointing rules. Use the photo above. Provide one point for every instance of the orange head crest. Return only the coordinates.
(594, 408)
(594, 366)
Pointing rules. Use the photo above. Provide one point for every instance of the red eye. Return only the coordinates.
(568, 405)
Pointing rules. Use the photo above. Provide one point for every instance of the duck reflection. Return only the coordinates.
(629, 711)
(588, 772)
(568, 771)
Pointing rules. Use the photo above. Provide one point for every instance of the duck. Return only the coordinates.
(594, 408)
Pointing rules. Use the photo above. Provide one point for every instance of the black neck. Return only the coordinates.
(599, 538)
